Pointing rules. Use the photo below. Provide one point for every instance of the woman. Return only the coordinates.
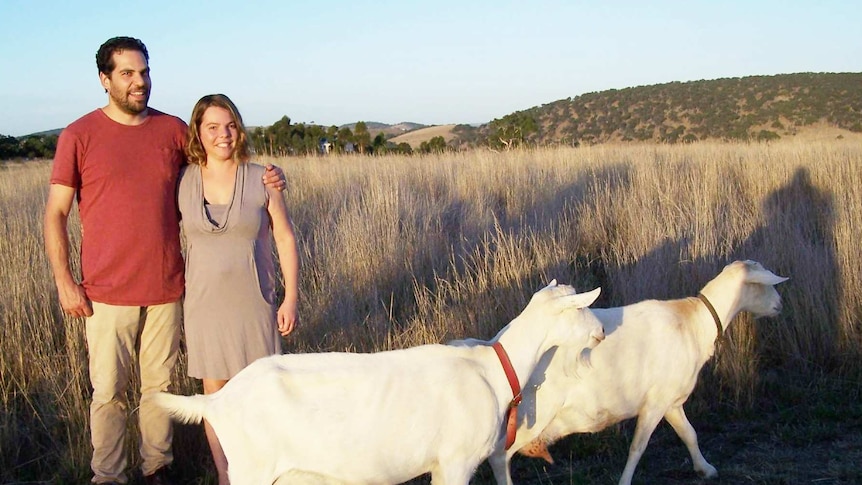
(229, 220)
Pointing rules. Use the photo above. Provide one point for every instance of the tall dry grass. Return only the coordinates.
(400, 251)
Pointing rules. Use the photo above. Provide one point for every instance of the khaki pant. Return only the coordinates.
(118, 338)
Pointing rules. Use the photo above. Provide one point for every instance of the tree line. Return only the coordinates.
(28, 147)
(280, 139)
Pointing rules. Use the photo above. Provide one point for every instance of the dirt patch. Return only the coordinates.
(416, 137)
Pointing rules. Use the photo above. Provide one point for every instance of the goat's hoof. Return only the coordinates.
(708, 471)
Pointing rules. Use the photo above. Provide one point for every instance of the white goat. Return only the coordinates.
(383, 417)
(647, 367)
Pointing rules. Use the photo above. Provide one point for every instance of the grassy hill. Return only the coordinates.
(755, 107)
(54, 132)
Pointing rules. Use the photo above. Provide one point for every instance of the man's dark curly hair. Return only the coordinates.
(105, 55)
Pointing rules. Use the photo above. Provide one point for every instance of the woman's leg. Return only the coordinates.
(211, 386)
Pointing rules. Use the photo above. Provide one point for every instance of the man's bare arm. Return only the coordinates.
(72, 297)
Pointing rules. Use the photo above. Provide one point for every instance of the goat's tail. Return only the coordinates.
(183, 409)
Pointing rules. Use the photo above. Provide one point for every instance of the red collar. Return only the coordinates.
(511, 418)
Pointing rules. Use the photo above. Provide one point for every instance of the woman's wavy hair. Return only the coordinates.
(194, 148)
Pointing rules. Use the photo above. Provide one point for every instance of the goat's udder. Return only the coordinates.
(537, 449)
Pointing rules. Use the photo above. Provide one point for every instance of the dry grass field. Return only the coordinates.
(401, 251)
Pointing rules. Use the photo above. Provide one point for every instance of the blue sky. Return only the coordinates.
(439, 62)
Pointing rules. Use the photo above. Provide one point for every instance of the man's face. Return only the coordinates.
(129, 83)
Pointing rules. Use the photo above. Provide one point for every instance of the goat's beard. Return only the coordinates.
(583, 361)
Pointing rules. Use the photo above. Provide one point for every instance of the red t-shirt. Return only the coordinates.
(126, 181)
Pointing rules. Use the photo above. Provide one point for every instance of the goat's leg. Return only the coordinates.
(678, 420)
(499, 461)
(452, 474)
(647, 423)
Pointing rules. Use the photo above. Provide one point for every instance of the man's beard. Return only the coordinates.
(128, 106)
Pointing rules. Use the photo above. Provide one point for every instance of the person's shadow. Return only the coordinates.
(794, 239)
(797, 240)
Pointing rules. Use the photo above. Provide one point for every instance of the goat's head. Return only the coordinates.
(758, 295)
(569, 323)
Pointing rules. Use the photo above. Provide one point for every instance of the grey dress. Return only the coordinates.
(230, 302)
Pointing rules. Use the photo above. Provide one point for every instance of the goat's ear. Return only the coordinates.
(764, 277)
(583, 300)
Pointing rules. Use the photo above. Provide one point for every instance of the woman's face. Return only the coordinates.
(219, 134)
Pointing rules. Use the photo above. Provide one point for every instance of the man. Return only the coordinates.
(122, 162)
